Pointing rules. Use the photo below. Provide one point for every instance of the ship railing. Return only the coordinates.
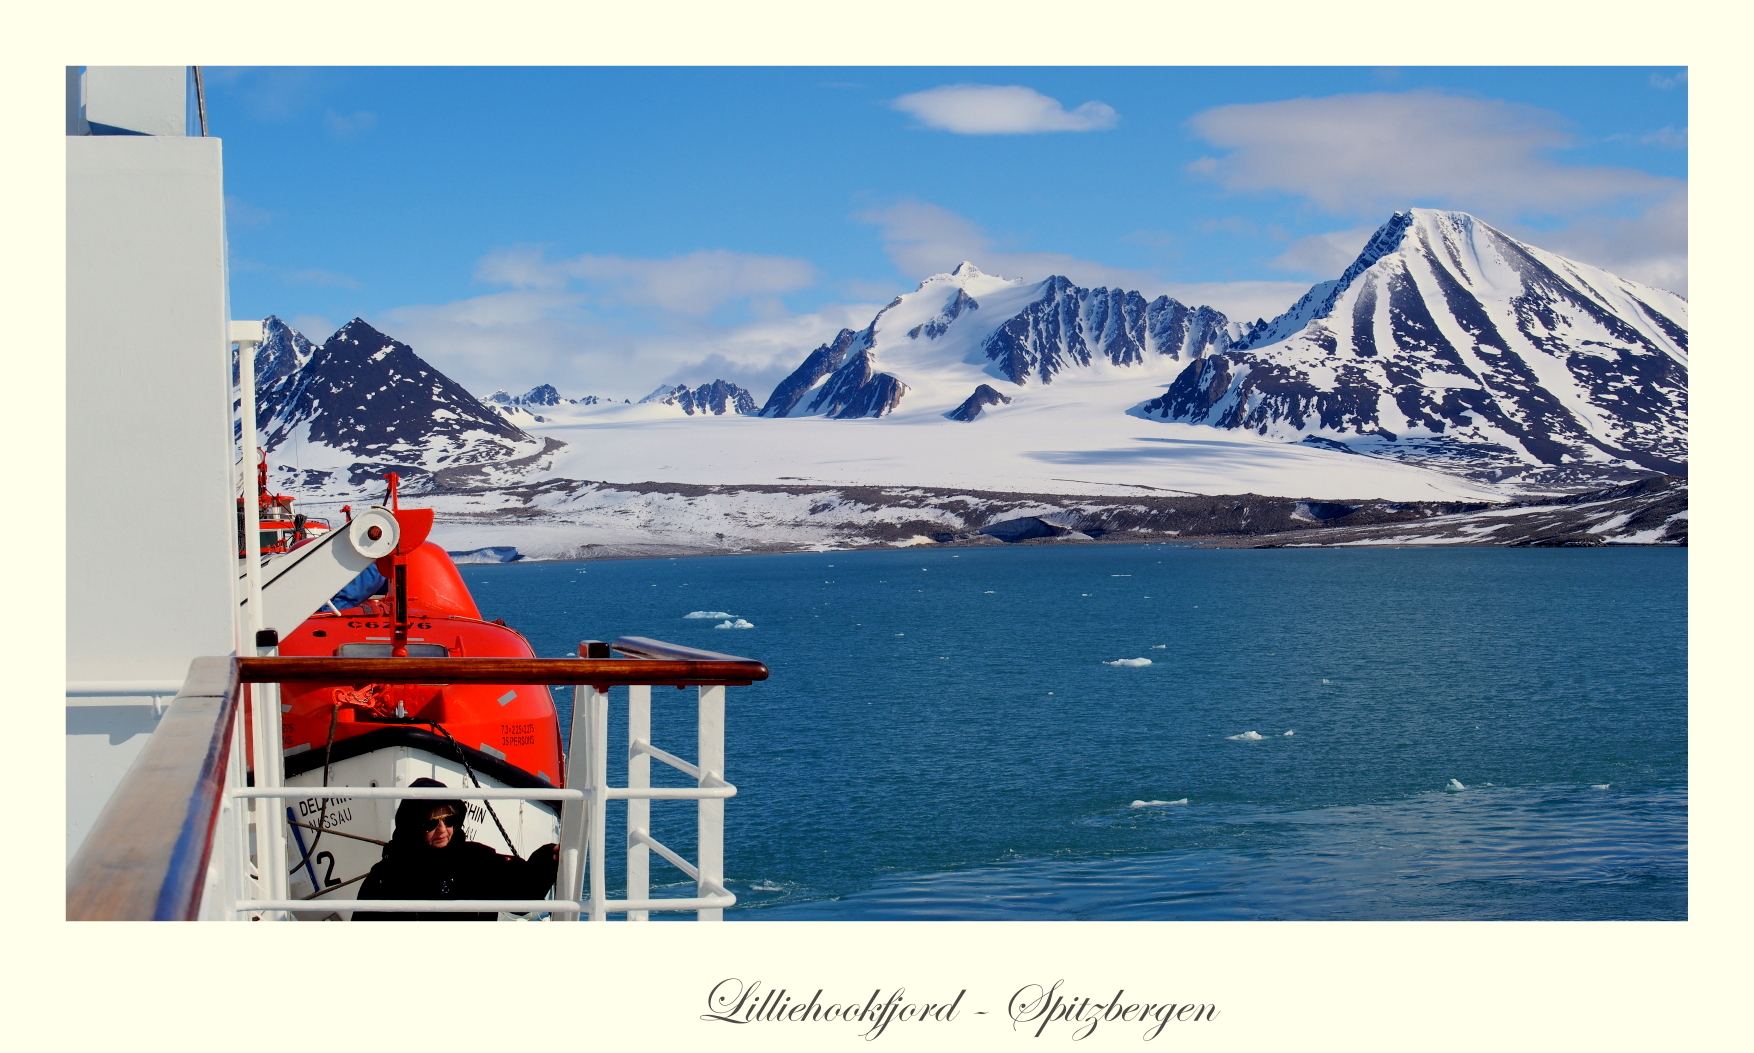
(175, 841)
(168, 836)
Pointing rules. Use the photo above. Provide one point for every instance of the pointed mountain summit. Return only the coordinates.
(715, 399)
(958, 330)
(367, 403)
(1450, 343)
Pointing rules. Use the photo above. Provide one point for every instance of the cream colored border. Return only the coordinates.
(1368, 986)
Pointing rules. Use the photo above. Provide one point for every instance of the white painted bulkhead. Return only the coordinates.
(148, 363)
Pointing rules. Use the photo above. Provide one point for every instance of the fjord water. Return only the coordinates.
(943, 737)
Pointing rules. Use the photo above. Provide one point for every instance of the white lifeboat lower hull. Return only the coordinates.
(336, 864)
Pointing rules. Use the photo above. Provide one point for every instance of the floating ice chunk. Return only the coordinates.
(1131, 663)
(1455, 784)
(1327, 681)
(1155, 804)
(1159, 646)
(709, 614)
(1288, 734)
(765, 887)
(1247, 736)
(737, 624)
(1601, 786)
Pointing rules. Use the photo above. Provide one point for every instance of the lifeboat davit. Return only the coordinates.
(338, 735)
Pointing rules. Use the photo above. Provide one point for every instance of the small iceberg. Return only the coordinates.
(1601, 786)
(709, 614)
(1288, 734)
(1155, 804)
(1247, 736)
(737, 624)
(1131, 663)
(1455, 784)
(1159, 646)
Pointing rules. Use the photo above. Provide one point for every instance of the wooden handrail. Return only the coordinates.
(600, 671)
(146, 857)
(645, 647)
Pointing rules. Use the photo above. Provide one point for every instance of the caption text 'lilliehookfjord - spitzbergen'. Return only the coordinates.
(1032, 1009)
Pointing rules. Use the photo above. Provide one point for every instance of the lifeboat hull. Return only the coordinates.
(394, 757)
(493, 735)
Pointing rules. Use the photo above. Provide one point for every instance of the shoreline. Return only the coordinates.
(568, 521)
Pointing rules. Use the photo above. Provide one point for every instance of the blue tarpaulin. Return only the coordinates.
(369, 583)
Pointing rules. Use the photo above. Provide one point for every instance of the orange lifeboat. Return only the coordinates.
(337, 734)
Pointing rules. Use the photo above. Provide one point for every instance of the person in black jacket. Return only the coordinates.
(429, 858)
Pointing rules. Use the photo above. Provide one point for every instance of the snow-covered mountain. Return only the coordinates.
(935, 346)
(1446, 344)
(1450, 343)
(540, 395)
(717, 398)
(363, 404)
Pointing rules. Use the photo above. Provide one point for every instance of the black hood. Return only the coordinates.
(411, 816)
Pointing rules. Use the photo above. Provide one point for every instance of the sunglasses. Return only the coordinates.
(448, 820)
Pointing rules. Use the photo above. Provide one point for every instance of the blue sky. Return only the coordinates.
(607, 229)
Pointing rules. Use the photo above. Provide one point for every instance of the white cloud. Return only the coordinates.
(318, 276)
(1241, 301)
(924, 239)
(695, 284)
(523, 337)
(348, 127)
(989, 109)
(241, 215)
(271, 93)
(1354, 154)
(1649, 248)
(315, 327)
(1365, 155)
(1667, 138)
(1324, 256)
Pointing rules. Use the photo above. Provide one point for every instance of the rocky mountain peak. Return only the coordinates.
(716, 399)
(1449, 342)
(374, 405)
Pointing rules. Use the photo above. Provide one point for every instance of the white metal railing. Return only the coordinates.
(591, 726)
(580, 889)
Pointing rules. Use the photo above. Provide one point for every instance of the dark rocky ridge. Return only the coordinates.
(1065, 327)
(368, 395)
(717, 399)
(984, 396)
(965, 517)
(1068, 326)
(953, 309)
(1455, 346)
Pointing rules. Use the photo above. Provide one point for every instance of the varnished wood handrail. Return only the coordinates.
(598, 671)
(146, 857)
(645, 647)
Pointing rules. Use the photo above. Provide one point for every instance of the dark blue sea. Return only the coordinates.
(1478, 733)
